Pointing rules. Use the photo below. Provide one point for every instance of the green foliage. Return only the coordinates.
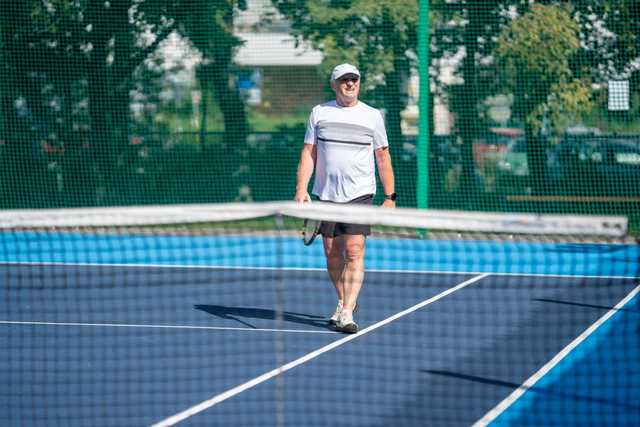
(567, 101)
(623, 123)
(620, 46)
(534, 54)
(73, 67)
(380, 37)
(376, 35)
(539, 43)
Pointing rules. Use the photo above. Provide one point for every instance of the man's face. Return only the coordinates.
(347, 87)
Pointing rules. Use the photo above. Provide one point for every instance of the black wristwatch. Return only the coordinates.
(392, 196)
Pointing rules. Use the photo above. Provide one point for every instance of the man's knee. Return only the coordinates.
(354, 250)
(333, 250)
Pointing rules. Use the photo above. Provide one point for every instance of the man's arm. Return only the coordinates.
(385, 170)
(305, 169)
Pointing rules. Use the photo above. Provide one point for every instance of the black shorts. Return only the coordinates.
(335, 229)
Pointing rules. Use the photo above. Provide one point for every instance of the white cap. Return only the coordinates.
(343, 69)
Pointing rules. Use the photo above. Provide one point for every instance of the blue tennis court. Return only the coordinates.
(137, 329)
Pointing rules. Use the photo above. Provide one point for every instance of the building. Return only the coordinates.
(278, 75)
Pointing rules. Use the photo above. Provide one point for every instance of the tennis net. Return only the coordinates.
(217, 315)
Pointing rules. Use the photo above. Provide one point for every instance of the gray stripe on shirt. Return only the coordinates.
(344, 133)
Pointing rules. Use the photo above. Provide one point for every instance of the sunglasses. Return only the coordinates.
(353, 79)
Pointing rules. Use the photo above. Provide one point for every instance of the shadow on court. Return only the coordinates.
(239, 313)
(579, 304)
(535, 389)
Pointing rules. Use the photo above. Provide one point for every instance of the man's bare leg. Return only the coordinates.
(334, 253)
(345, 264)
(353, 275)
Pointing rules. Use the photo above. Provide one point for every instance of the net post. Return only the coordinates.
(422, 146)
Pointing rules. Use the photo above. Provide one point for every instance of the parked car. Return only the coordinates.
(608, 165)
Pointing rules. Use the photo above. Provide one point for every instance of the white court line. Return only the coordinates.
(123, 325)
(318, 269)
(181, 416)
(529, 383)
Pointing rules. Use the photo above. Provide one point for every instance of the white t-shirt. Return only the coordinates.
(345, 139)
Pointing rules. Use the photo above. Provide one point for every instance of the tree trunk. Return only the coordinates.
(537, 161)
(21, 166)
(108, 90)
(232, 106)
(204, 110)
(468, 118)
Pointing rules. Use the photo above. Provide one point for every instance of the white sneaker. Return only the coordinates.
(346, 324)
(336, 315)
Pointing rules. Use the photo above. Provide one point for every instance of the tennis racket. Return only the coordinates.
(310, 229)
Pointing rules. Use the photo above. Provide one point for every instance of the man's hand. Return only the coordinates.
(388, 203)
(302, 197)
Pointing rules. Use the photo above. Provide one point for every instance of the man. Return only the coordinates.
(342, 139)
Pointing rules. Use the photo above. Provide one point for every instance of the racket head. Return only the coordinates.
(310, 229)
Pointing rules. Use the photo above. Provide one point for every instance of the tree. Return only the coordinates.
(534, 53)
(16, 123)
(468, 28)
(77, 63)
(208, 25)
(610, 32)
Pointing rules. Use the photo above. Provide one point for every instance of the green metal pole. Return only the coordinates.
(422, 148)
